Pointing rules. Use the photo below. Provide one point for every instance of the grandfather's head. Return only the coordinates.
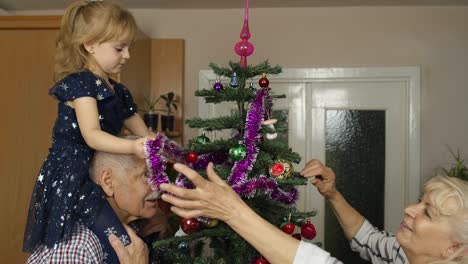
(124, 180)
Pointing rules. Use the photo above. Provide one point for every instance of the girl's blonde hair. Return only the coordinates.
(441, 189)
(90, 21)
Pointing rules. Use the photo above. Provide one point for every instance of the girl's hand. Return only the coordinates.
(139, 147)
(152, 135)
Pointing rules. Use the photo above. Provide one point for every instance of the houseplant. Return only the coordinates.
(151, 117)
(167, 120)
(458, 168)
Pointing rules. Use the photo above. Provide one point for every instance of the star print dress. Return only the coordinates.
(64, 194)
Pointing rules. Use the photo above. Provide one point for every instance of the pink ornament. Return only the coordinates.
(244, 48)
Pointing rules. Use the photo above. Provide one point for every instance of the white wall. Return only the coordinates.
(434, 38)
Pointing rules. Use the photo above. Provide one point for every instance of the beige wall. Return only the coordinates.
(434, 38)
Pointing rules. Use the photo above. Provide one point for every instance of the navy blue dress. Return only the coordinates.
(63, 193)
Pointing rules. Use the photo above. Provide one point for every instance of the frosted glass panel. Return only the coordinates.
(355, 150)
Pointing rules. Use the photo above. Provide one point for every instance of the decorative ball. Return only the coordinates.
(183, 246)
(263, 82)
(190, 225)
(218, 86)
(244, 48)
(212, 223)
(261, 261)
(237, 152)
(276, 170)
(296, 236)
(202, 139)
(289, 228)
(308, 230)
(191, 156)
(281, 169)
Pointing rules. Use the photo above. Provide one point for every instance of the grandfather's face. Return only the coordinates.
(423, 233)
(133, 195)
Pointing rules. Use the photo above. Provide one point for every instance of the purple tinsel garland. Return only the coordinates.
(160, 149)
(253, 122)
(201, 164)
(269, 187)
(257, 111)
(156, 152)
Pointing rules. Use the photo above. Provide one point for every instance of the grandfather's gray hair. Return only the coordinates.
(117, 162)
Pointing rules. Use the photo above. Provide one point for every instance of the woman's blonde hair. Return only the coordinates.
(441, 189)
(90, 21)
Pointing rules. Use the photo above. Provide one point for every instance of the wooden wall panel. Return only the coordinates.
(30, 22)
(167, 74)
(27, 114)
(136, 74)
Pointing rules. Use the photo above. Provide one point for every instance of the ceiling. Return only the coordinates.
(21, 5)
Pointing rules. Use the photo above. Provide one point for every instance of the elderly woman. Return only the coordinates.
(435, 230)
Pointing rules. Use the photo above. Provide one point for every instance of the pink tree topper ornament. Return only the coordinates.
(244, 48)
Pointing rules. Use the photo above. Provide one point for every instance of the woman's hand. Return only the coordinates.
(135, 253)
(322, 178)
(212, 198)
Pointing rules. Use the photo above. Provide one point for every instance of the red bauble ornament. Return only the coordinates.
(308, 230)
(263, 82)
(190, 225)
(289, 228)
(277, 169)
(261, 261)
(191, 156)
(296, 236)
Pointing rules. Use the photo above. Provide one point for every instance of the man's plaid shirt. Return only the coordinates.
(82, 247)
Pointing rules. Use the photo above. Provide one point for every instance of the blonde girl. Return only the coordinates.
(93, 45)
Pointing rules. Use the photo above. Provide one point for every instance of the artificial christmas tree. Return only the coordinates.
(254, 161)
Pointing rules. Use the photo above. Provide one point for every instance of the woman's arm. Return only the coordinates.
(88, 121)
(324, 179)
(216, 199)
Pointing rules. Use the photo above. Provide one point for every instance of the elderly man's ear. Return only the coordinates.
(106, 181)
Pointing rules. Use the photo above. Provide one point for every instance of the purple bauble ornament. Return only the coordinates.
(218, 86)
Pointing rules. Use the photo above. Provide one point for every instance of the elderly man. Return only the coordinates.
(124, 182)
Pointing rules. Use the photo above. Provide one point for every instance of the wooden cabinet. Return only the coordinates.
(167, 75)
(27, 113)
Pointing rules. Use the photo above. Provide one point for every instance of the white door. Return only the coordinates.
(389, 97)
(314, 94)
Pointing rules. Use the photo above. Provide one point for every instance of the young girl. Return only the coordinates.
(93, 43)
